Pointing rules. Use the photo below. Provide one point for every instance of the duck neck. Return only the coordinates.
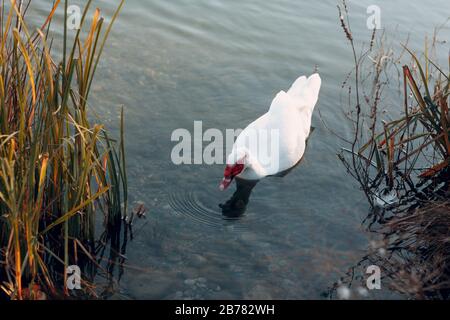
(259, 170)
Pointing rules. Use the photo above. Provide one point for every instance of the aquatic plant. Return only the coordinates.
(60, 173)
(393, 156)
(400, 155)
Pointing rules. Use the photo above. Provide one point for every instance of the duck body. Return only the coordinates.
(276, 141)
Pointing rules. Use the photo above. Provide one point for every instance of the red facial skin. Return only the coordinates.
(230, 172)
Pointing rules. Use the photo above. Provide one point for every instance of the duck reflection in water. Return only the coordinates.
(237, 204)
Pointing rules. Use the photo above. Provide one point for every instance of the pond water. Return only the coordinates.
(171, 63)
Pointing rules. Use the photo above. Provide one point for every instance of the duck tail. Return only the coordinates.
(306, 91)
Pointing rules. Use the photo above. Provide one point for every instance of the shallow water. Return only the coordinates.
(173, 62)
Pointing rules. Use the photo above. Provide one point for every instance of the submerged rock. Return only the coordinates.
(202, 280)
(189, 282)
(343, 293)
(259, 292)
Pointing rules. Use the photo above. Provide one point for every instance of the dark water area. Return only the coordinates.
(170, 63)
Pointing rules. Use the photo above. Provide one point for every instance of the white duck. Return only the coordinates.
(276, 141)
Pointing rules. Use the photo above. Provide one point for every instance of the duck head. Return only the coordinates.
(235, 165)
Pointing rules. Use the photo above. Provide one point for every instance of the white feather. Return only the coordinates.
(290, 115)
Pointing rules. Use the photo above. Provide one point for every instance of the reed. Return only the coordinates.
(59, 172)
(400, 155)
(395, 156)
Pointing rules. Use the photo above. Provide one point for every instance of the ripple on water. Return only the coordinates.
(188, 205)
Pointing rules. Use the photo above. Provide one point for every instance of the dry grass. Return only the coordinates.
(402, 164)
(58, 171)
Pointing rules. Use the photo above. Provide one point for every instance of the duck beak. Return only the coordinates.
(225, 183)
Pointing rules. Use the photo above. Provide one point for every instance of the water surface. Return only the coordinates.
(222, 62)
